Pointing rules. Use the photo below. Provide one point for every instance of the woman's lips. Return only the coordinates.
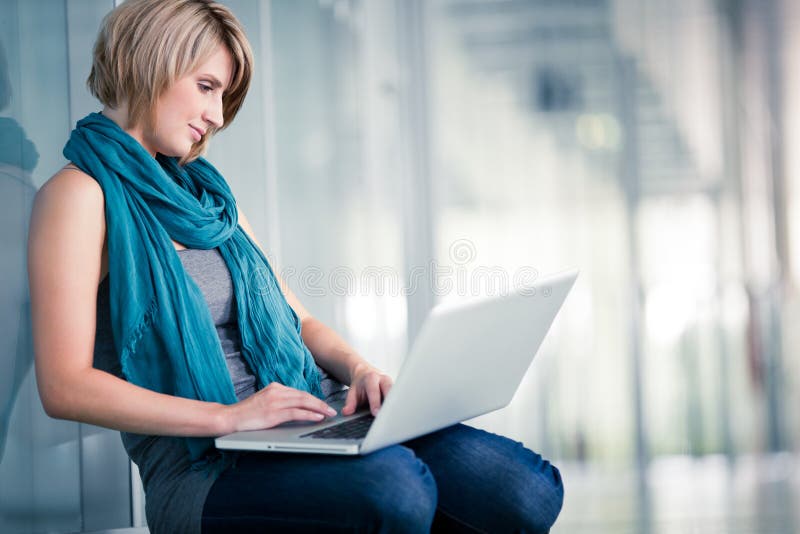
(196, 133)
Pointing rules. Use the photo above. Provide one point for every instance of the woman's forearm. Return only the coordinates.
(330, 351)
(102, 399)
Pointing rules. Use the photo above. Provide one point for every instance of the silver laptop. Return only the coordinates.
(468, 360)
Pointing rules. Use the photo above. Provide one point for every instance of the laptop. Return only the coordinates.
(468, 360)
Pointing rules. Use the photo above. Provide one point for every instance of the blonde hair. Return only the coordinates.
(144, 46)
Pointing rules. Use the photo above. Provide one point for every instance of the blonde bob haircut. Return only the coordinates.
(144, 46)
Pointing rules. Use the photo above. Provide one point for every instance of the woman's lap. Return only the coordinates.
(389, 490)
(488, 482)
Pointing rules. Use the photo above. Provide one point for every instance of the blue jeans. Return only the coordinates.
(458, 479)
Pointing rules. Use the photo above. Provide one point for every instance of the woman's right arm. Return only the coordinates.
(65, 251)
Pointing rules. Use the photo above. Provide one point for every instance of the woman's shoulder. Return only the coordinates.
(70, 201)
(73, 187)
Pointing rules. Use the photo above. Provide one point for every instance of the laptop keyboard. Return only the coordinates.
(353, 429)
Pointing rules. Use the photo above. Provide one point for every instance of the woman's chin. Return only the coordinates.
(176, 153)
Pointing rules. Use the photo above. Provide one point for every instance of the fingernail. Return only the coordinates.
(318, 416)
(331, 411)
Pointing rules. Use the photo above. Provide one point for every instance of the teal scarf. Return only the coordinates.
(163, 331)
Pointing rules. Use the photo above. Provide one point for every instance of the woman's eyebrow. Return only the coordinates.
(213, 79)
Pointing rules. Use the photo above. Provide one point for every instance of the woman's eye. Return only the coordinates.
(205, 88)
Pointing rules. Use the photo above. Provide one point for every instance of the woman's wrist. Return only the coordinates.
(222, 419)
(358, 367)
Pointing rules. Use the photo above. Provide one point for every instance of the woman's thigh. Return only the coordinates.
(387, 491)
(489, 483)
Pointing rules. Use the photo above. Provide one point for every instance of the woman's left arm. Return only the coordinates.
(367, 383)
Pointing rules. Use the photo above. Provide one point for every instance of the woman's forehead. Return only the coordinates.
(219, 66)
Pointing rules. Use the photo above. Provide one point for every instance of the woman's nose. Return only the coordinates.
(213, 114)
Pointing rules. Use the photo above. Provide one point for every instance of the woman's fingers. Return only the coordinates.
(373, 393)
(283, 403)
(297, 414)
(350, 402)
(276, 403)
(285, 396)
(372, 387)
(301, 399)
(386, 385)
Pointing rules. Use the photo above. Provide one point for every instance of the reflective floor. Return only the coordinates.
(684, 495)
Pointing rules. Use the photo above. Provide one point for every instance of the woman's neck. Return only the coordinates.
(120, 116)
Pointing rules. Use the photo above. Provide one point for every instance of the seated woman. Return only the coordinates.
(156, 313)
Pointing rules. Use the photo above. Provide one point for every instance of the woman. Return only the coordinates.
(156, 313)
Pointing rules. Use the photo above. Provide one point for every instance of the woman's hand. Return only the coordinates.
(366, 384)
(273, 405)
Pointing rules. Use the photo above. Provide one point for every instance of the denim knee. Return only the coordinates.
(403, 497)
(539, 502)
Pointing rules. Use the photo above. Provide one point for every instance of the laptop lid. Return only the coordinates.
(468, 360)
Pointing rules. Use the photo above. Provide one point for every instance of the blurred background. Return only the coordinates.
(395, 154)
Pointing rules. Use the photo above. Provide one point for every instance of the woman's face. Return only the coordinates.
(189, 107)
